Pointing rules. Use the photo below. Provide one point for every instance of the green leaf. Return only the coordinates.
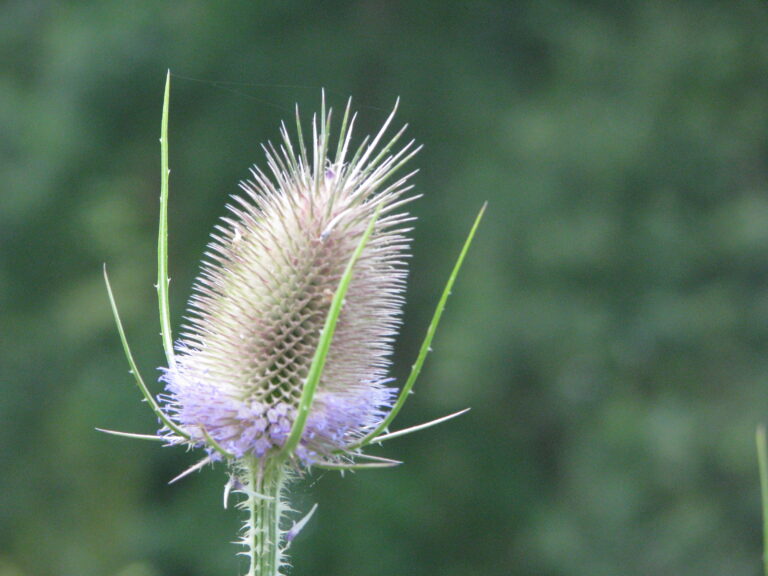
(135, 370)
(162, 236)
(326, 337)
(425, 345)
(762, 459)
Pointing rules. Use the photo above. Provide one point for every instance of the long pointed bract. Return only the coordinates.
(193, 468)
(762, 459)
(425, 425)
(321, 353)
(135, 370)
(425, 346)
(162, 236)
(152, 437)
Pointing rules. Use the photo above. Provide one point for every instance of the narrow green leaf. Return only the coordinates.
(326, 337)
(762, 459)
(135, 370)
(425, 346)
(162, 236)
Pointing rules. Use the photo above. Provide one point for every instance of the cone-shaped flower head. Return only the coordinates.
(264, 292)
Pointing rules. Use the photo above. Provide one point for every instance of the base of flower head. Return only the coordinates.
(253, 427)
(336, 421)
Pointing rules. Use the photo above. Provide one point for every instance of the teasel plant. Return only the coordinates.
(282, 364)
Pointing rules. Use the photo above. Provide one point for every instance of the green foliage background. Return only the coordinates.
(609, 330)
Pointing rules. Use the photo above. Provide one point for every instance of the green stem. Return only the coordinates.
(762, 459)
(264, 482)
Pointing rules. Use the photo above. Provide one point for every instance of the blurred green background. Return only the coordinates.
(609, 331)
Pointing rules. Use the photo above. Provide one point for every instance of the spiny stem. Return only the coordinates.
(264, 482)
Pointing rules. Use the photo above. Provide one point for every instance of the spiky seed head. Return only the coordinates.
(265, 289)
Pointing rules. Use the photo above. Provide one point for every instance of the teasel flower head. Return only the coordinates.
(265, 290)
(283, 361)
